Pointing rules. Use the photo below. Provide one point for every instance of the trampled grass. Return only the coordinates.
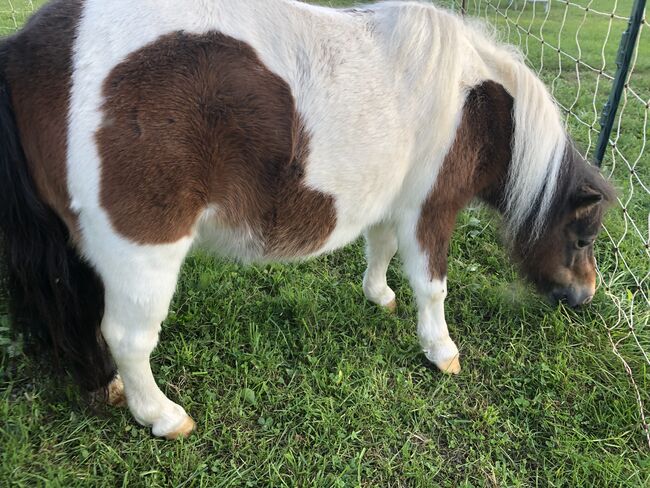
(295, 380)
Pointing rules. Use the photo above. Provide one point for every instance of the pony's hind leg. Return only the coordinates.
(136, 302)
(381, 246)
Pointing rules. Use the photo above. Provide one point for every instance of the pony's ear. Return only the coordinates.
(586, 197)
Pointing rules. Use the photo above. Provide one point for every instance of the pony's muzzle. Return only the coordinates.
(572, 296)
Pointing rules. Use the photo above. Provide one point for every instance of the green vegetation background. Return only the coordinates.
(295, 380)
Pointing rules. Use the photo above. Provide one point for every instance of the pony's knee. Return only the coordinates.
(431, 292)
(129, 340)
(130, 326)
(382, 246)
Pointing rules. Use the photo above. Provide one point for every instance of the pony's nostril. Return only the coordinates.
(558, 296)
(571, 298)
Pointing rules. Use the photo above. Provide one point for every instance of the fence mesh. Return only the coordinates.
(573, 44)
(13, 13)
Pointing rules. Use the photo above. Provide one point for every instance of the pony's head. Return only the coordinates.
(559, 260)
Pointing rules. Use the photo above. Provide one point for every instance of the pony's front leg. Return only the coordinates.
(433, 333)
(137, 299)
(131, 331)
(425, 262)
(381, 246)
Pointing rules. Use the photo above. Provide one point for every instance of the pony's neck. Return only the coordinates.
(484, 143)
(436, 57)
(486, 136)
(538, 143)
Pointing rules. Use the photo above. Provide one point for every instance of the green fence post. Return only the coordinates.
(623, 59)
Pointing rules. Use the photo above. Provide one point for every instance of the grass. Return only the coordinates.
(295, 380)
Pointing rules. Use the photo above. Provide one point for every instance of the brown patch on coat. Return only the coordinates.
(39, 70)
(193, 121)
(476, 164)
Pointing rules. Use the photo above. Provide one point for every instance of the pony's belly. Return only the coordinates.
(247, 244)
(239, 242)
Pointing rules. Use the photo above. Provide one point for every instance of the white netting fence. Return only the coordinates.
(573, 45)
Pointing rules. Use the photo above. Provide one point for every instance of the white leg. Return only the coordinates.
(130, 326)
(381, 246)
(432, 327)
(430, 294)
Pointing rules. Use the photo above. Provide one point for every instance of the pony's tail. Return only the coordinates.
(55, 298)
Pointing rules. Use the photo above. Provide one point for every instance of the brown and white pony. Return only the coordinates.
(266, 130)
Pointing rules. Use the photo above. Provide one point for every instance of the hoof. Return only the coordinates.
(115, 396)
(184, 430)
(449, 366)
(392, 306)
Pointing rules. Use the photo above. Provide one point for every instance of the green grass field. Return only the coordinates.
(295, 380)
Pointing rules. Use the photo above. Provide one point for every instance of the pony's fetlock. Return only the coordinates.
(380, 294)
(115, 393)
(185, 429)
(444, 355)
(166, 419)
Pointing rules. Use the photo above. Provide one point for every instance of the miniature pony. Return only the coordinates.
(265, 130)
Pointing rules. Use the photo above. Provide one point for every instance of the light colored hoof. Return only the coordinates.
(115, 396)
(392, 306)
(449, 366)
(186, 428)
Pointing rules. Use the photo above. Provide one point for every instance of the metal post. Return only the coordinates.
(623, 59)
(463, 7)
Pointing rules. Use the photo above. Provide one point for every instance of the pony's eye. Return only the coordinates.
(582, 243)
